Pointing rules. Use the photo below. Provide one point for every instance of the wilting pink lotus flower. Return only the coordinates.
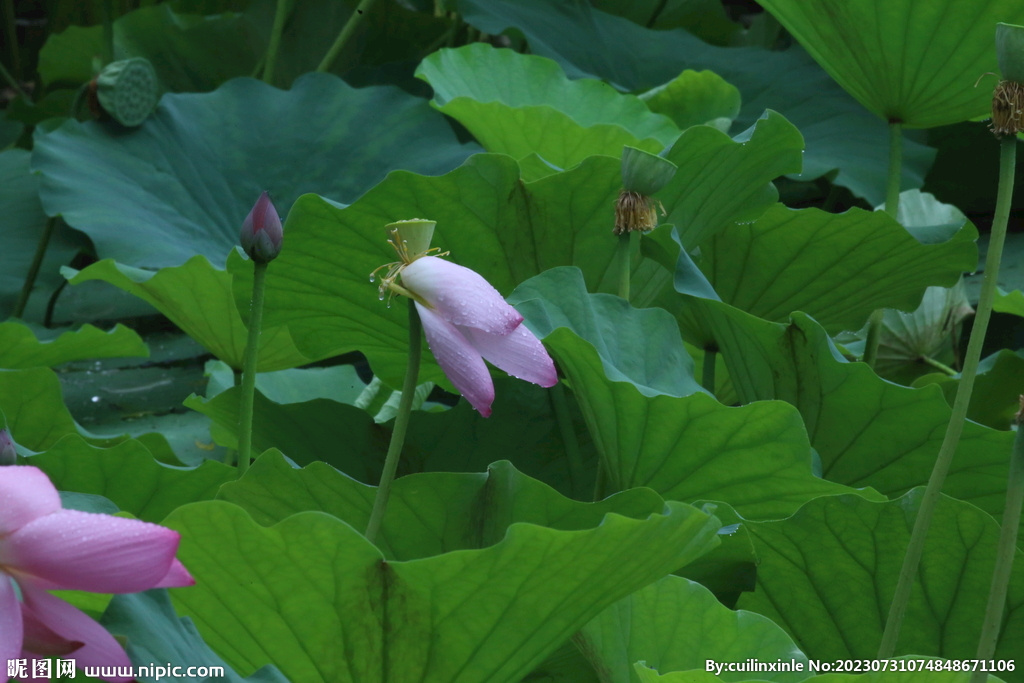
(261, 233)
(43, 548)
(466, 320)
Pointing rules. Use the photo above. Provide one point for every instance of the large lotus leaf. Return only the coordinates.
(828, 573)
(428, 513)
(499, 226)
(678, 625)
(522, 428)
(704, 18)
(197, 297)
(154, 633)
(684, 445)
(868, 432)
(127, 475)
(279, 595)
(1012, 302)
(189, 52)
(22, 225)
(905, 60)
(521, 104)
(695, 97)
(36, 414)
(587, 42)
(836, 268)
(20, 348)
(185, 180)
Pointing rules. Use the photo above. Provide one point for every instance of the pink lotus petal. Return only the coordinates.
(460, 295)
(11, 629)
(518, 353)
(99, 649)
(25, 494)
(177, 577)
(459, 360)
(85, 551)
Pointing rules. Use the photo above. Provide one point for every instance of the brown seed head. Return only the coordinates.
(1008, 109)
(635, 212)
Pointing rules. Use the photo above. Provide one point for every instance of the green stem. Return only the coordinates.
(941, 367)
(33, 269)
(280, 17)
(412, 371)
(600, 481)
(346, 33)
(572, 448)
(898, 608)
(108, 31)
(252, 352)
(1005, 552)
(892, 205)
(892, 190)
(622, 260)
(12, 40)
(707, 379)
(13, 82)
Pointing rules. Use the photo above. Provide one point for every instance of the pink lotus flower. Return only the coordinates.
(43, 548)
(261, 233)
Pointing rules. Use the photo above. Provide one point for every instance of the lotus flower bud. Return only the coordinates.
(8, 456)
(262, 233)
(127, 90)
(1008, 99)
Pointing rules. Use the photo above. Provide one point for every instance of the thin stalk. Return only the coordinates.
(412, 371)
(280, 17)
(572, 448)
(622, 260)
(1007, 161)
(252, 352)
(346, 33)
(1005, 551)
(600, 481)
(51, 305)
(108, 31)
(33, 269)
(13, 82)
(938, 365)
(707, 379)
(892, 205)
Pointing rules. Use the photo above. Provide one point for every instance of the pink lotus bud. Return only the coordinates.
(262, 233)
(8, 456)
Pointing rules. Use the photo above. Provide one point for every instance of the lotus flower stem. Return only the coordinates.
(707, 379)
(280, 17)
(252, 352)
(938, 365)
(1005, 551)
(892, 205)
(572, 447)
(1007, 162)
(33, 269)
(412, 372)
(622, 260)
(346, 34)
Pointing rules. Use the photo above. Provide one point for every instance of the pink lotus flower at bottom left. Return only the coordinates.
(44, 548)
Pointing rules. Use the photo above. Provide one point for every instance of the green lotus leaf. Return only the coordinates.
(186, 179)
(836, 268)
(20, 348)
(678, 625)
(867, 431)
(589, 43)
(154, 633)
(521, 104)
(496, 612)
(127, 475)
(197, 297)
(684, 445)
(997, 389)
(694, 98)
(20, 231)
(492, 222)
(827, 575)
(908, 63)
(1012, 302)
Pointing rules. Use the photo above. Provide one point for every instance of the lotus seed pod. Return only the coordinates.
(414, 235)
(127, 90)
(645, 173)
(1010, 51)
